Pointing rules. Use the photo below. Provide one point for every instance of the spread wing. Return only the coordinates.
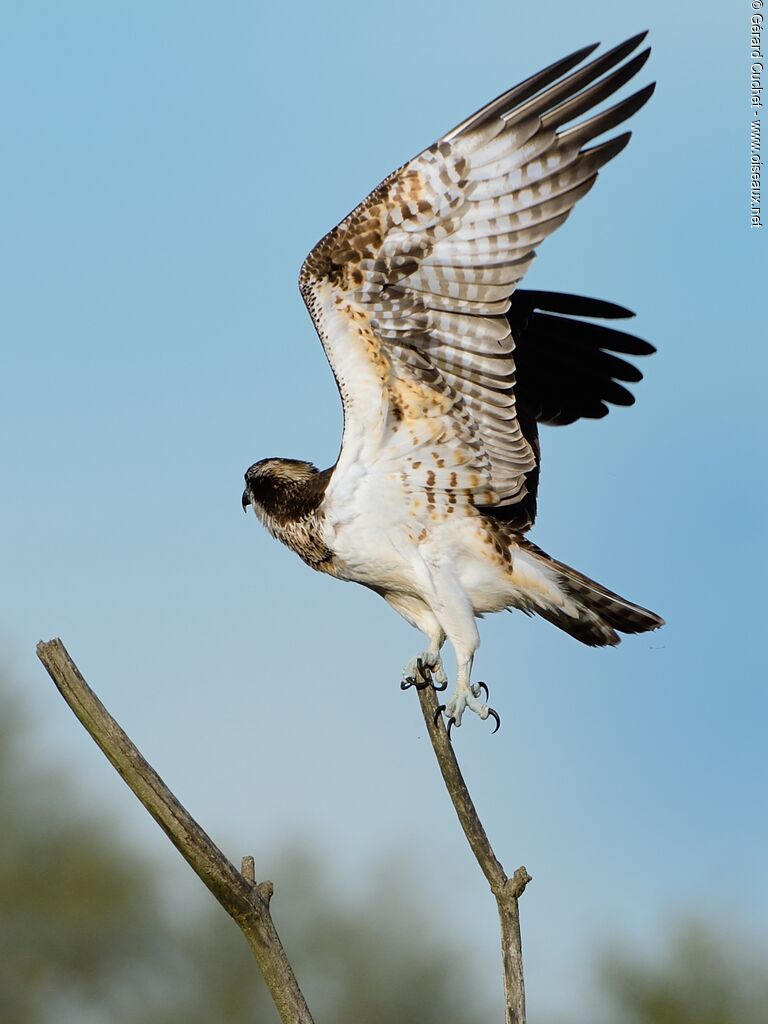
(410, 293)
(567, 368)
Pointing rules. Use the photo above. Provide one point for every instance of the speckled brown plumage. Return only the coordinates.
(445, 370)
(287, 495)
(429, 259)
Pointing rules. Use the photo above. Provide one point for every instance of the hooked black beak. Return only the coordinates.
(246, 500)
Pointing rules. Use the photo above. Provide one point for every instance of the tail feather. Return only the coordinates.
(590, 612)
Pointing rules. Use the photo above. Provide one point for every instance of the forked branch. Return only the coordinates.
(506, 890)
(245, 900)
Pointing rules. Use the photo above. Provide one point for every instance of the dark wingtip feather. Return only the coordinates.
(611, 148)
(593, 334)
(575, 305)
(587, 99)
(637, 39)
(617, 394)
(596, 125)
(644, 95)
(568, 366)
(585, 51)
(523, 90)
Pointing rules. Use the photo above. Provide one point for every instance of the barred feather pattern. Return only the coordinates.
(577, 604)
(409, 292)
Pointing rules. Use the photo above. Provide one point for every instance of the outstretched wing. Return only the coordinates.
(410, 292)
(567, 368)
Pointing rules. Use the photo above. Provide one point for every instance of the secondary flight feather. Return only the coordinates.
(445, 368)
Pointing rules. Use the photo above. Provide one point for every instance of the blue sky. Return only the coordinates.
(164, 170)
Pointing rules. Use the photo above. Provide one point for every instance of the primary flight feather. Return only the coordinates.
(445, 369)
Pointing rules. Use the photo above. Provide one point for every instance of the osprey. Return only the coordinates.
(445, 370)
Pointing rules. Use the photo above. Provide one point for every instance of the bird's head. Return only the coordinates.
(276, 488)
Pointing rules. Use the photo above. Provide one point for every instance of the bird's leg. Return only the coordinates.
(426, 669)
(449, 613)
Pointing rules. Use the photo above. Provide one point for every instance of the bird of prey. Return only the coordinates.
(445, 370)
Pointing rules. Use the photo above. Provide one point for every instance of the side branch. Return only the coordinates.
(505, 889)
(246, 901)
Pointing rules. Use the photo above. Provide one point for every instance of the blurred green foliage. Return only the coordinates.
(699, 977)
(86, 935)
(78, 913)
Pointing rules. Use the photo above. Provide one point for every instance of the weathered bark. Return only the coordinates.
(246, 900)
(506, 890)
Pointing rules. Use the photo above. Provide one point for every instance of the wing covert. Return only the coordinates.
(410, 293)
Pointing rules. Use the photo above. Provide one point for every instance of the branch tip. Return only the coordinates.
(248, 869)
(517, 883)
(265, 890)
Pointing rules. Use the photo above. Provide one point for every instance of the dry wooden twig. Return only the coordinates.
(245, 900)
(506, 890)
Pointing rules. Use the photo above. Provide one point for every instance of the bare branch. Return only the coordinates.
(247, 902)
(248, 869)
(506, 890)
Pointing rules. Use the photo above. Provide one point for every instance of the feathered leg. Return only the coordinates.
(419, 615)
(453, 611)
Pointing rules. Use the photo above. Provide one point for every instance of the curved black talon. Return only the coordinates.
(440, 709)
(495, 715)
(451, 723)
(426, 677)
(482, 686)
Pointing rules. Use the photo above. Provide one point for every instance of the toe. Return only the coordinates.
(416, 673)
(439, 680)
(455, 707)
